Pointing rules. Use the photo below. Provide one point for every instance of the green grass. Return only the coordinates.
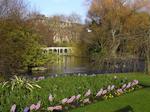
(62, 87)
(138, 100)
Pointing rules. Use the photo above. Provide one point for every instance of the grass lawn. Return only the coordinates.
(63, 87)
(138, 100)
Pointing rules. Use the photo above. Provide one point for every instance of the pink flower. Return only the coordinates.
(124, 86)
(88, 93)
(119, 90)
(129, 85)
(54, 108)
(33, 107)
(38, 105)
(135, 82)
(71, 99)
(78, 97)
(58, 107)
(41, 78)
(87, 100)
(112, 87)
(104, 92)
(63, 101)
(50, 98)
(50, 109)
(99, 93)
(13, 108)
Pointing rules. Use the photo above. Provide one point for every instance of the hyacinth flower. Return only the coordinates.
(63, 101)
(109, 88)
(88, 93)
(38, 105)
(35, 107)
(50, 98)
(13, 108)
(41, 78)
(128, 86)
(50, 109)
(119, 92)
(104, 92)
(32, 107)
(27, 109)
(124, 86)
(99, 93)
(78, 96)
(112, 87)
(86, 101)
(71, 100)
(59, 107)
(56, 108)
(135, 82)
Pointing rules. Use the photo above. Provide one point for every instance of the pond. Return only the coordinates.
(69, 64)
(66, 64)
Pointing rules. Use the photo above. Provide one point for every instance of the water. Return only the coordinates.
(73, 64)
(69, 64)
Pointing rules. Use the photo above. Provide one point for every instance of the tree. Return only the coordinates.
(117, 26)
(40, 24)
(19, 42)
(66, 29)
(16, 9)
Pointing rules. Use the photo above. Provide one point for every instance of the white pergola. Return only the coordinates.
(59, 50)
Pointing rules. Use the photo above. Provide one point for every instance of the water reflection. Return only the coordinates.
(69, 64)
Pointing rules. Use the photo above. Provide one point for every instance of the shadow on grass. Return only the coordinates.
(145, 86)
(128, 108)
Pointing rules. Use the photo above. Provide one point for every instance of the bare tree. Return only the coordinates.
(13, 9)
(66, 29)
(119, 28)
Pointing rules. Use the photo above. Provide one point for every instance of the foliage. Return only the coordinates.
(22, 47)
(59, 89)
(16, 90)
(116, 28)
(19, 41)
(18, 83)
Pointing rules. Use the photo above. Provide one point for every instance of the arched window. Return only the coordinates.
(65, 50)
(50, 50)
(55, 50)
(61, 51)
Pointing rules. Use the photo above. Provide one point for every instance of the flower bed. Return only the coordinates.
(116, 88)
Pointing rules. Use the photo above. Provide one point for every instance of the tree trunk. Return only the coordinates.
(115, 44)
(29, 72)
(148, 64)
(148, 54)
(148, 67)
(115, 47)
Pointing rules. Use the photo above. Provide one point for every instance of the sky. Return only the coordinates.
(53, 7)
